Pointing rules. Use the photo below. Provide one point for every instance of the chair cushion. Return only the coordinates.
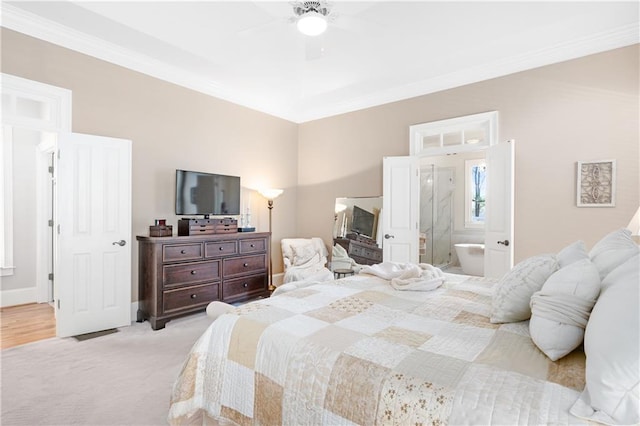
(304, 254)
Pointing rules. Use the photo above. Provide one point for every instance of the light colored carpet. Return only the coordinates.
(123, 378)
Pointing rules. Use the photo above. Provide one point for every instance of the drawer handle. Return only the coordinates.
(245, 285)
(252, 246)
(201, 230)
(193, 272)
(221, 248)
(183, 252)
(193, 296)
(245, 265)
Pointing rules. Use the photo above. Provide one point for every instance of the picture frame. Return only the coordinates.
(596, 183)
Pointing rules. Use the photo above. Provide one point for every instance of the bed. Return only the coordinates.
(358, 351)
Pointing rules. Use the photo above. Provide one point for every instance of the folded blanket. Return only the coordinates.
(407, 276)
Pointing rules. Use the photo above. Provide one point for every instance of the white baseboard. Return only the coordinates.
(19, 296)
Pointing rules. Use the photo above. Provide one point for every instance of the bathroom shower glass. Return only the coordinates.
(437, 185)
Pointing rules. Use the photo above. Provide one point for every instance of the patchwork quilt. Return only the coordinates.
(356, 351)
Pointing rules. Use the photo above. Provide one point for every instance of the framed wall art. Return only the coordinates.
(596, 183)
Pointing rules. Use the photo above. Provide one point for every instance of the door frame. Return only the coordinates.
(59, 106)
(486, 120)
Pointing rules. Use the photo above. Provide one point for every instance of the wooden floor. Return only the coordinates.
(26, 323)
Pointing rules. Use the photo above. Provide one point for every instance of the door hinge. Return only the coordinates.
(51, 277)
(58, 229)
(50, 222)
(58, 303)
(51, 169)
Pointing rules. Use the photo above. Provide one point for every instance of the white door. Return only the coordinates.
(498, 252)
(400, 209)
(93, 280)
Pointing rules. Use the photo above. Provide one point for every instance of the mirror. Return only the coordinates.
(356, 228)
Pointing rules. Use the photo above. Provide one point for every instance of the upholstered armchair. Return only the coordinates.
(305, 259)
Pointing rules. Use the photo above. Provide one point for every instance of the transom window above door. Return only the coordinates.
(467, 133)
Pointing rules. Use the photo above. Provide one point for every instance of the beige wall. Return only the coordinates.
(171, 127)
(584, 109)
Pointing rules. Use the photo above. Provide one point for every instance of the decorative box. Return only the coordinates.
(161, 231)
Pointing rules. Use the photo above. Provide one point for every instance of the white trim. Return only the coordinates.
(487, 120)
(6, 195)
(59, 102)
(28, 23)
(20, 296)
(43, 253)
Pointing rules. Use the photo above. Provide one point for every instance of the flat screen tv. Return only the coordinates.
(362, 222)
(199, 193)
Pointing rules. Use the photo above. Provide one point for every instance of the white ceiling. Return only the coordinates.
(376, 52)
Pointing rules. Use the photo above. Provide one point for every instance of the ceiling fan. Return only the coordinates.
(312, 16)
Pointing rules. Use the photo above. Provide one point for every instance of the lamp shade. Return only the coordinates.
(634, 225)
(271, 193)
(312, 24)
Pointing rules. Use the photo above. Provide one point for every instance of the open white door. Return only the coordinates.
(498, 252)
(93, 280)
(400, 209)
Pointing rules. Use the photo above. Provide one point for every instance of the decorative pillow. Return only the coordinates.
(560, 310)
(572, 253)
(613, 250)
(612, 347)
(304, 254)
(512, 295)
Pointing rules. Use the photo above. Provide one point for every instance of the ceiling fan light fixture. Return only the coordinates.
(312, 24)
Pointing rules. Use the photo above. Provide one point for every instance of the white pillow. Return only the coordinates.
(613, 250)
(560, 310)
(512, 294)
(612, 347)
(572, 253)
(306, 253)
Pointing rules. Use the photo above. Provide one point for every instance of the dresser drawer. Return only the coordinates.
(189, 297)
(220, 248)
(190, 273)
(202, 230)
(253, 245)
(240, 287)
(244, 265)
(373, 254)
(176, 252)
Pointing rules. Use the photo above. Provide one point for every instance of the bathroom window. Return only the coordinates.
(476, 193)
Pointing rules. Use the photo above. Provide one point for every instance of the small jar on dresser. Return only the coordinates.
(182, 275)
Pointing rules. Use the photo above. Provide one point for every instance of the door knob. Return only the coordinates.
(119, 243)
(505, 243)
(387, 236)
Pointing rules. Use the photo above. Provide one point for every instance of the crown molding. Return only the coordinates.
(33, 25)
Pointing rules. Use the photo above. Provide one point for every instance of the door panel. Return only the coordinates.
(93, 283)
(498, 254)
(400, 205)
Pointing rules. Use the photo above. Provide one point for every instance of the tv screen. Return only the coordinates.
(362, 222)
(207, 194)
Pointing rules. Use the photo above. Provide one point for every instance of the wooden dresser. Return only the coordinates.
(182, 275)
(363, 253)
